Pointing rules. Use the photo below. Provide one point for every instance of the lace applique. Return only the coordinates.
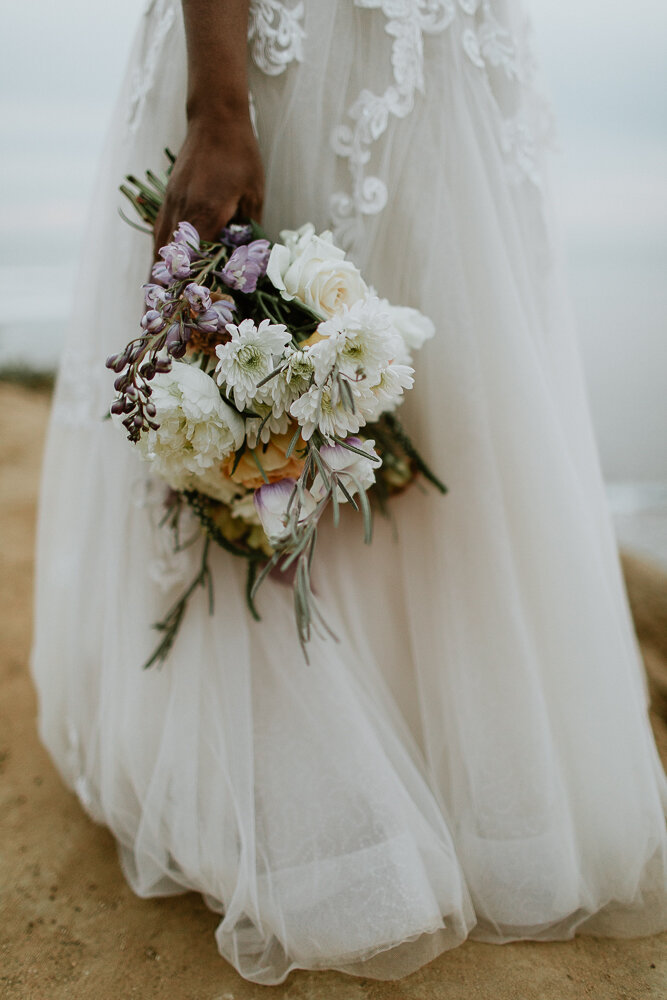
(160, 14)
(407, 22)
(523, 120)
(275, 35)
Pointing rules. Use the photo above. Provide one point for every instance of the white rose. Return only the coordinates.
(313, 270)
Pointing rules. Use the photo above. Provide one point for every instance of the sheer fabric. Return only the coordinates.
(473, 756)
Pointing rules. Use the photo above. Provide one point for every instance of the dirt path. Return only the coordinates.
(70, 927)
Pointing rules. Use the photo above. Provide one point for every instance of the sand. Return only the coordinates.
(71, 928)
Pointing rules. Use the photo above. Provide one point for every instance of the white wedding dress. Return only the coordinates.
(473, 757)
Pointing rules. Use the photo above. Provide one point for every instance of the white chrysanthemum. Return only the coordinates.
(349, 465)
(293, 381)
(388, 391)
(248, 357)
(267, 420)
(411, 325)
(197, 428)
(325, 408)
(359, 341)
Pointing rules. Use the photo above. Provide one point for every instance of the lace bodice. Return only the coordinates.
(502, 56)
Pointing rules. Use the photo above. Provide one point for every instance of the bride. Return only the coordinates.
(473, 758)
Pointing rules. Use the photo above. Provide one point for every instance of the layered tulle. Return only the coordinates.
(472, 756)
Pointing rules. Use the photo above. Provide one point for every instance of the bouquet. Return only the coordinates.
(262, 390)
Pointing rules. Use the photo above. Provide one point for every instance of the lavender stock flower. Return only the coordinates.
(152, 321)
(216, 318)
(236, 235)
(198, 296)
(188, 235)
(161, 274)
(246, 266)
(154, 295)
(176, 257)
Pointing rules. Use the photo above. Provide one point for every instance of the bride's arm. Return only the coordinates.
(218, 170)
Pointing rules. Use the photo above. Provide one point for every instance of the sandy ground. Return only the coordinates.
(70, 927)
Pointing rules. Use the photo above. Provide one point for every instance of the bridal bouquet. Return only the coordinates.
(262, 389)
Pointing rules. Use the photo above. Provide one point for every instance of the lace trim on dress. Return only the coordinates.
(523, 119)
(407, 23)
(275, 35)
(161, 13)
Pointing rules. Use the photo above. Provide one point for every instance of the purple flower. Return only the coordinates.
(162, 274)
(152, 321)
(187, 235)
(271, 502)
(225, 311)
(176, 257)
(271, 505)
(246, 266)
(235, 235)
(154, 295)
(216, 318)
(198, 296)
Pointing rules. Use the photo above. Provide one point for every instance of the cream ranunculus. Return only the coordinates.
(313, 270)
(197, 429)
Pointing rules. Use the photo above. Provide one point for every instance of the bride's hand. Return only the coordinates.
(218, 174)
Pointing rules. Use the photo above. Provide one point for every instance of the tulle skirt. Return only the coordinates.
(472, 756)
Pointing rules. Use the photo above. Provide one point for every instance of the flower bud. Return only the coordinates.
(152, 321)
(209, 321)
(198, 296)
(177, 350)
(187, 234)
(118, 406)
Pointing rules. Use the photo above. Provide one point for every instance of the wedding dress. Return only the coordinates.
(473, 756)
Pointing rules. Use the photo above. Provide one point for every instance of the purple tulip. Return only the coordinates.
(176, 257)
(246, 266)
(187, 235)
(198, 296)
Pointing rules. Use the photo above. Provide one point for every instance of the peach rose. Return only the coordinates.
(272, 459)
